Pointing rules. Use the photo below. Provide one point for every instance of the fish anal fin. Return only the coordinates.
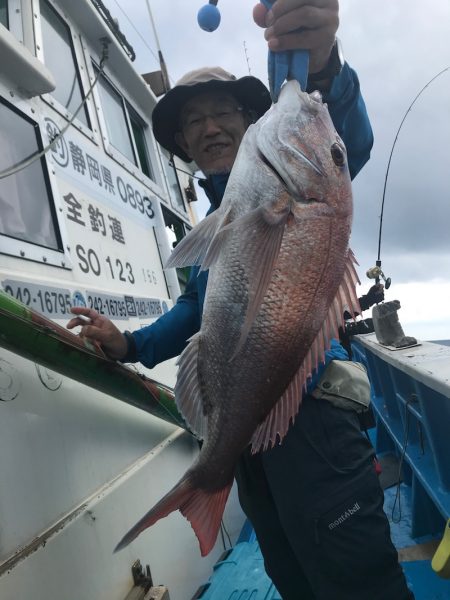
(188, 393)
(204, 511)
(259, 259)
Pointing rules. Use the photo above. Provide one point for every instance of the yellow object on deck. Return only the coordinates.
(441, 558)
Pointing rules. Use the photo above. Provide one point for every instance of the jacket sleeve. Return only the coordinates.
(167, 337)
(348, 112)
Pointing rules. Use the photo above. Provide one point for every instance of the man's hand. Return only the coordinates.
(301, 24)
(375, 295)
(97, 328)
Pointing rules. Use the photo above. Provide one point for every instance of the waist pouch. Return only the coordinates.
(345, 384)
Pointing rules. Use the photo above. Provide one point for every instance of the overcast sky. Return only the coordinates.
(396, 48)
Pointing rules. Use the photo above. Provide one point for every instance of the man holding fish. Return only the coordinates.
(280, 276)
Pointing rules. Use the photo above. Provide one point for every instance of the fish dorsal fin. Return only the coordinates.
(193, 248)
(346, 298)
(350, 280)
(188, 394)
(258, 259)
(277, 423)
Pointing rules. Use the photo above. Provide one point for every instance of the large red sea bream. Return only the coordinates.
(280, 276)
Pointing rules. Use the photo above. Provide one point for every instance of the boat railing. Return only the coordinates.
(411, 401)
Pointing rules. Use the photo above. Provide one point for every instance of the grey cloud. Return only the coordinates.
(396, 47)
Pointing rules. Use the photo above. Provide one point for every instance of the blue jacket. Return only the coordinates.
(167, 337)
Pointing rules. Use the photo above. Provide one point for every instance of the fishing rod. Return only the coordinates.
(376, 272)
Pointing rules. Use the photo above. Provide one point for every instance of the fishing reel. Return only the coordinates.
(376, 273)
(208, 16)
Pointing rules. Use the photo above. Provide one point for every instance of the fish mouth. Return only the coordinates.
(286, 183)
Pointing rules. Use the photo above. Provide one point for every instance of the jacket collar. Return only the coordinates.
(214, 187)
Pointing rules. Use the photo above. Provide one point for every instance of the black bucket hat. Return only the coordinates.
(249, 91)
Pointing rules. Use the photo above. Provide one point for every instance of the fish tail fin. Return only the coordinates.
(202, 509)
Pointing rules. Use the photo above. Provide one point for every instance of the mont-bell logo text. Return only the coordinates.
(345, 515)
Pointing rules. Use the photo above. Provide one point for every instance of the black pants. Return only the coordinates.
(317, 509)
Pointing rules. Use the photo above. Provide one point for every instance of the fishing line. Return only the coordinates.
(172, 164)
(140, 35)
(222, 536)
(29, 160)
(222, 527)
(400, 465)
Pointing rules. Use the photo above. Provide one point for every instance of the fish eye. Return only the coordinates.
(337, 155)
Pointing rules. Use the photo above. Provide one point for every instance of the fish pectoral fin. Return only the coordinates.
(188, 395)
(215, 247)
(202, 509)
(192, 248)
(260, 233)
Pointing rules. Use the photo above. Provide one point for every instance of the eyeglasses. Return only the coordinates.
(195, 122)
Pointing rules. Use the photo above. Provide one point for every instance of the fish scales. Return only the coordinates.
(277, 253)
(276, 345)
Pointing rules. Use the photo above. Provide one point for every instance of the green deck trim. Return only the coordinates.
(32, 336)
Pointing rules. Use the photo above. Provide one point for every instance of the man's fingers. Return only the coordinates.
(92, 332)
(283, 7)
(307, 39)
(84, 316)
(306, 18)
(285, 13)
(73, 323)
(80, 321)
(85, 311)
(259, 15)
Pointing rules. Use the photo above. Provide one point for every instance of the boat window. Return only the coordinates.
(138, 128)
(116, 119)
(126, 130)
(176, 230)
(26, 211)
(60, 59)
(173, 184)
(4, 13)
